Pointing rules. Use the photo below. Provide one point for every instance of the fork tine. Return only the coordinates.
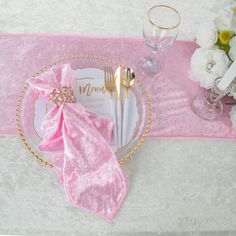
(110, 73)
(105, 76)
(108, 77)
(111, 76)
(108, 86)
(104, 71)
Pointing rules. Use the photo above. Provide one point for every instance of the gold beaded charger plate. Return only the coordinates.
(89, 91)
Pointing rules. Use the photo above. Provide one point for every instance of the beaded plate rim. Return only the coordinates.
(68, 59)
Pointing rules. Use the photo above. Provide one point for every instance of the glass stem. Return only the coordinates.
(215, 94)
(213, 98)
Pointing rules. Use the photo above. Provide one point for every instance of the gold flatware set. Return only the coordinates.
(123, 77)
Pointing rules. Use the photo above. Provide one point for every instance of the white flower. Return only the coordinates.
(207, 35)
(207, 65)
(219, 4)
(226, 18)
(233, 116)
(232, 51)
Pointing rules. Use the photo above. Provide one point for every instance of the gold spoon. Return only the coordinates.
(128, 79)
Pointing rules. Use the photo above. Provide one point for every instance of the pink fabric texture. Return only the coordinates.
(171, 94)
(78, 145)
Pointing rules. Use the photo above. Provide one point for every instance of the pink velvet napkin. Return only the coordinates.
(77, 142)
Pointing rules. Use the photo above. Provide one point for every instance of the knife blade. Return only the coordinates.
(118, 107)
(118, 80)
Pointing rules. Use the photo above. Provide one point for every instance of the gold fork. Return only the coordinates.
(110, 86)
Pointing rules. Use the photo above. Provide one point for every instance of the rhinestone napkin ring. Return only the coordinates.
(63, 95)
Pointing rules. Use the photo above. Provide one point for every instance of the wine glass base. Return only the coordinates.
(206, 110)
(148, 66)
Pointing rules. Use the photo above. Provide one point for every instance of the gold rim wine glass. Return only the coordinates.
(160, 30)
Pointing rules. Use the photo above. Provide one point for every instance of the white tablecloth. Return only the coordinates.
(175, 186)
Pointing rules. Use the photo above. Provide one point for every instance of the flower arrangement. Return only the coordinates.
(217, 51)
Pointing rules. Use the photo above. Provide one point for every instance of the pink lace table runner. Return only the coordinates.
(22, 55)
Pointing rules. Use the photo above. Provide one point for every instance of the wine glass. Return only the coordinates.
(209, 106)
(160, 30)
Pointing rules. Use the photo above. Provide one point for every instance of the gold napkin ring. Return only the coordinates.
(63, 95)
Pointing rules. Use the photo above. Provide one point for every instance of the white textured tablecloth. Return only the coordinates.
(175, 187)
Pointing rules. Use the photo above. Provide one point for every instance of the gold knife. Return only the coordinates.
(118, 78)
